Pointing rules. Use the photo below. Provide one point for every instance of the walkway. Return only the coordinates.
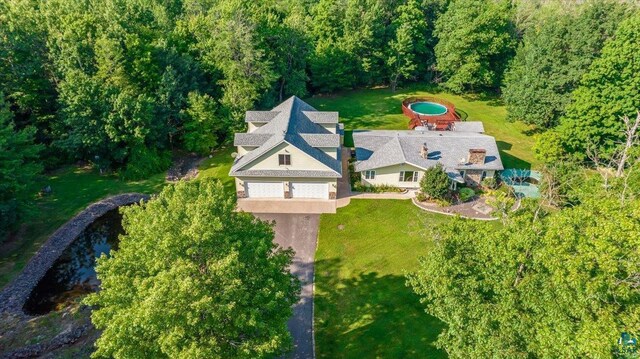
(300, 232)
(290, 205)
(476, 209)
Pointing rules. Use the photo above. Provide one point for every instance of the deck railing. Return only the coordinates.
(439, 122)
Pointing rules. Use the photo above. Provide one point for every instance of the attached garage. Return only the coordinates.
(264, 189)
(309, 190)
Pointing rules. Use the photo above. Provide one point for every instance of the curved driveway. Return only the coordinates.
(300, 232)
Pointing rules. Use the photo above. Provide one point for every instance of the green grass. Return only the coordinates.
(363, 308)
(76, 188)
(381, 109)
(218, 167)
(73, 190)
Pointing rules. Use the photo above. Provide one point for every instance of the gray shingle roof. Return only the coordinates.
(377, 149)
(260, 116)
(291, 124)
(322, 117)
(250, 139)
(468, 126)
(321, 140)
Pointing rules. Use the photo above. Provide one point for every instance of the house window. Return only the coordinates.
(369, 175)
(284, 160)
(408, 176)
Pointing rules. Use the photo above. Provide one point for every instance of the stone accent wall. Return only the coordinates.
(332, 195)
(241, 194)
(14, 295)
(476, 156)
(473, 177)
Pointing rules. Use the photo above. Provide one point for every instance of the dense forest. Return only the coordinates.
(121, 84)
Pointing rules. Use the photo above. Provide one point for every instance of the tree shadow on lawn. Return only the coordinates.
(369, 315)
(509, 160)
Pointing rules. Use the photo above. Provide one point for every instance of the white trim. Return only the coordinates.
(414, 177)
(370, 174)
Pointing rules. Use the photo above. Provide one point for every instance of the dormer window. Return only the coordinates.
(284, 160)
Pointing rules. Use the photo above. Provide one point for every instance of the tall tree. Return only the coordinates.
(408, 47)
(560, 285)
(609, 91)
(193, 278)
(18, 167)
(227, 37)
(25, 70)
(557, 50)
(475, 42)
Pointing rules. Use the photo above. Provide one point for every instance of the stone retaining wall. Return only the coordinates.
(14, 295)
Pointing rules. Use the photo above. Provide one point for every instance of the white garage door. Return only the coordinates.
(265, 189)
(309, 190)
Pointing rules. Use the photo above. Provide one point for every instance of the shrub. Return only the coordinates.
(466, 194)
(144, 162)
(354, 177)
(421, 197)
(490, 182)
(380, 188)
(435, 182)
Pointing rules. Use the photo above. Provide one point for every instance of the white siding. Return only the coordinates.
(391, 176)
(299, 160)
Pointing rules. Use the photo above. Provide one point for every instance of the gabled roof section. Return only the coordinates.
(468, 126)
(289, 122)
(321, 140)
(377, 149)
(322, 117)
(250, 139)
(260, 116)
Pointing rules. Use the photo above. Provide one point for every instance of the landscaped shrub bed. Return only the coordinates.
(466, 193)
(359, 187)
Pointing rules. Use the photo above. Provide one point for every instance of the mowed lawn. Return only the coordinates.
(73, 189)
(381, 109)
(363, 309)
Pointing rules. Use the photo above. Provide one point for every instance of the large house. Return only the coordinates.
(399, 158)
(294, 151)
(291, 151)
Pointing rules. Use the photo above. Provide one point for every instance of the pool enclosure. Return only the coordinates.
(524, 182)
(430, 112)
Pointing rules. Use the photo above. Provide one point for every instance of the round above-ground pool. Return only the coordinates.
(428, 108)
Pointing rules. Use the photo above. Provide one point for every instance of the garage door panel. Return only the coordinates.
(264, 189)
(310, 190)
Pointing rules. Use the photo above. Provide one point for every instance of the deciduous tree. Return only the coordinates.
(560, 285)
(608, 91)
(18, 167)
(193, 278)
(475, 42)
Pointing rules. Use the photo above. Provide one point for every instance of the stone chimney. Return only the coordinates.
(424, 151)
(476, 156)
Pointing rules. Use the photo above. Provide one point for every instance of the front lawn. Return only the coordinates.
(381, 109)
(363, 309)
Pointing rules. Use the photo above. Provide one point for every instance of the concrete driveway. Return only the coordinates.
(300, 232)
